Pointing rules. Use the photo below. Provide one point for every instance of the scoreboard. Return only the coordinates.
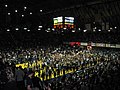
(58, 22)
(66, 22)
(69, 22)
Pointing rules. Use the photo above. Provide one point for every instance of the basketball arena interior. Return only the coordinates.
(59, 44)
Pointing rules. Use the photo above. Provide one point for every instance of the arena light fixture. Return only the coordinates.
(6, 5)
(53, 29)
(28, 30)
(40, 26)
(93, 30)
(47, 31)
(85, 30)
(41, 10)
(16, 10)
(78, 28)
(48, 28)
(17, 29)
(30, 13)
(64, 28)
(99, 30)
(8, 30)
(115, 27)
(109, 30)
(22, 15)
(8, 13)
(39, 29)
(73, 30)
(25, 8)
(25, 28)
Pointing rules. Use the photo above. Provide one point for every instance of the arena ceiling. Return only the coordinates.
(84, 11)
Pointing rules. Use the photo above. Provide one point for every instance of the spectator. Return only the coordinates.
(19, 74)
(29, 83)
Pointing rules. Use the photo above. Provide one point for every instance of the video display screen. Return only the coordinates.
(69, 22)
(58, 22)
(63, 22)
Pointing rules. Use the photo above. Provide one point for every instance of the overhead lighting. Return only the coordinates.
(17, 29)
(48, 28)
(25, 28)
(53, 29)
(22, 15)
(30, 13)
(8, 13)
(95, 27)
(6, 5)
(108, 30)
(99, 30)
(47, 31)
(40, 26)
(16, 11)
(8, 30)
(78, 28)
(25, 8)
(73, 30)
(39, 29)
(84, 30)
(28, 30)
(115, 27)
(64, 28)
(40, 10)
(93, 30)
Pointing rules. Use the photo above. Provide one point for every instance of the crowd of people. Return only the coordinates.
(33, 39)
(63, 68)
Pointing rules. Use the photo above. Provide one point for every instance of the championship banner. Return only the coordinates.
(113, 45)
(117, 46)
(83, 44)
(93, 44)
(75, 43)
(100, 44)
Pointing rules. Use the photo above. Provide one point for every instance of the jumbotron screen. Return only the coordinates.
(69, 22)
(58, 22)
